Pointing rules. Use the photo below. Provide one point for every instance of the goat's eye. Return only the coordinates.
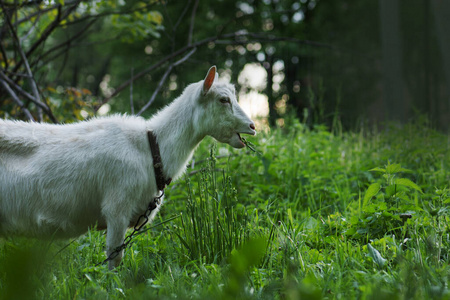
(224, 100)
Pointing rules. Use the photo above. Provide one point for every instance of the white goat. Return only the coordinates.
(59, 180)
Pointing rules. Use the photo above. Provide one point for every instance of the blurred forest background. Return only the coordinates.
(335, 61)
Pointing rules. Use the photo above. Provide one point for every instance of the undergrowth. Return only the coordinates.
(310, 214)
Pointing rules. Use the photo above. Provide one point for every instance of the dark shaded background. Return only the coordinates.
(342, 61)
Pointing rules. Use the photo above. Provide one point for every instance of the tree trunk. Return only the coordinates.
(392, 77)
(441, 11)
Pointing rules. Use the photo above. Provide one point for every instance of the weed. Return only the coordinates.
(313, 214)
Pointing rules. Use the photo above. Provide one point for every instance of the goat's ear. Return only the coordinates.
(209, 79)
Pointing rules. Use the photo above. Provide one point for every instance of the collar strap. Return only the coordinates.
(161, 182)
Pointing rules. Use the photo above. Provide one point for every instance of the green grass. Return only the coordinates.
(312, 214)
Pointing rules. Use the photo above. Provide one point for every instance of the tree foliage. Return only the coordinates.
(324, 60)
(46, 56)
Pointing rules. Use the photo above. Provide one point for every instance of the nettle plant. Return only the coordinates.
(386, 206)
(396, 209)
(394, 190)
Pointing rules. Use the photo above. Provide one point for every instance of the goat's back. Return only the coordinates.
(59, 178)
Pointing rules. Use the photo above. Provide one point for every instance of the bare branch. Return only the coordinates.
(167, 17)
(153, 67)
(37, 97)
(62, 15)
(33, 84)
(191, 26)
(186, 57)
(37, 12)
(33, 27)
(27, 66)
(110, 13)
(17, 100)
(163, 79)
(182, 15)
(23, 4)
(69, 41)
(15, 74)
(11, 84)
(229, 38)
(17, 87)
(50, 28)
(5, 58)
(160, 84)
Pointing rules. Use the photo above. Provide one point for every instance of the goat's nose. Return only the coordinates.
(252, 126)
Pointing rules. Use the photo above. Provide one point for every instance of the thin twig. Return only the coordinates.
(17, 100)
(68, 42)
(16, 74)
(64, 61)
(110, 13)
(37, 12)
(34, 88)
(62, 15)
(226, 38)
(28, 96)
(182, 15)
(167, 18)
(50, 28)
(160, 84)
(191, 26)
(98, 42)
(33, 26)
(18, 88)
(163, 79)
(153, 67)
(33, 84)
(2, 49)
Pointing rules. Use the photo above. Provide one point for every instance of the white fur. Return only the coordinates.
(59, 180)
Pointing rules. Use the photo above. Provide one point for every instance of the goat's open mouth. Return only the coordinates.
(237, 141)
(241, 140)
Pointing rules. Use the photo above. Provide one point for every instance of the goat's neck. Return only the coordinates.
(177, 141)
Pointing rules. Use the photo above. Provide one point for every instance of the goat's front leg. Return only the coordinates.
(114, 238)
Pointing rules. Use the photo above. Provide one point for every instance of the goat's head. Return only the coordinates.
(224, 119)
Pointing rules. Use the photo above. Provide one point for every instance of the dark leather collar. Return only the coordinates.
(161, 182)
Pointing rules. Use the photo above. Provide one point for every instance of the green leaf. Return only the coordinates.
(390, 191)
(393, 190)
(311, 224)
(377, 170)
(376, 256)
(351, 231)
(396, 168)
(372, 191)
(408, 183)
(155, 16)
(88, 277)
(291, 219)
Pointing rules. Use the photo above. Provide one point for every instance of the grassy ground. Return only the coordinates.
(313, 214)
